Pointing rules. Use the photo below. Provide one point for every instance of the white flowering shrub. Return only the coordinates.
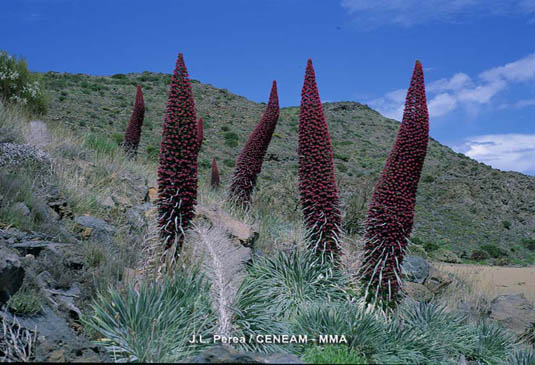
(19, 85)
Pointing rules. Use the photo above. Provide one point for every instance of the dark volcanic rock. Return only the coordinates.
(11, 273)
(100, 230)
(415, 268)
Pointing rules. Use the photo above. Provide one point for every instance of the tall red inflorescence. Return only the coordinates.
(200, 133)
(132, 135)
(391, 211)
(249, 163)
(317, 185)
(177, 171)
(214, 182)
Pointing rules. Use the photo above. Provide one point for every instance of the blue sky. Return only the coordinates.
(478, 55)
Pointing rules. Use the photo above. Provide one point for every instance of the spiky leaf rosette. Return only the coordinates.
(200, 133)
(317, 185)
(177, 171)
(132, 134)
(214, 181)
(249, 163)
(391, 211)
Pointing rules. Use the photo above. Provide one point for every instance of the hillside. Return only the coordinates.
(462, 205)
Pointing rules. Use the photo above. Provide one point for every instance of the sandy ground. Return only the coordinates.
(496, 280)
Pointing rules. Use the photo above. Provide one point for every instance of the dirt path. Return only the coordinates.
(37, 134)
(496, 280)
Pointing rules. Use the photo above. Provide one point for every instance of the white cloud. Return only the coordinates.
(449, 94)
(442, 104)
(458, 81)
(374, 13)
(514, 152)
(521, 70)
(524, 103)
(390, 105)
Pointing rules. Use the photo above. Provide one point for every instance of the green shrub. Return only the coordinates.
(153, 152)
(506, 224)
(117, 138)
(430, 246)
(277, 288)
(362, 331)
(229, 163)
(494, 251)
(332, 354)
(154, 322)
(523, 356)
(479, 255)
(119, 76)
(231, 142)
(25, 302)
(529, 244)
(287, 281)
(428, 179)
(339, 156)
(204, 164)
(493, 344)
(225, 128)
(19, 85)
(230, 136)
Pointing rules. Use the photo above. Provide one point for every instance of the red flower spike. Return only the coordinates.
(391, 211)
(177, 171)
(319, 194)
(249, 162)
(214, 182)
(132, 135)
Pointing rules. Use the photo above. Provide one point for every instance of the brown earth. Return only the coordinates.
(495, 280)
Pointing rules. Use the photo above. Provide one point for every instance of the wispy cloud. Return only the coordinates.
(411, 12)
(449, 94)
(514, 152)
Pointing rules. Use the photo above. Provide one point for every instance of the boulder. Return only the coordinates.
(415, 269)
(240, 232)
(437, 280)
(417, 291)
(513, 311)
(226, 354)
(35, 247)
(100, 230)
(11, 273)
(445, 255)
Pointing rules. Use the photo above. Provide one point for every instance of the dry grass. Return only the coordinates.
(16, 343)
(13, 122)
(478, 284)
